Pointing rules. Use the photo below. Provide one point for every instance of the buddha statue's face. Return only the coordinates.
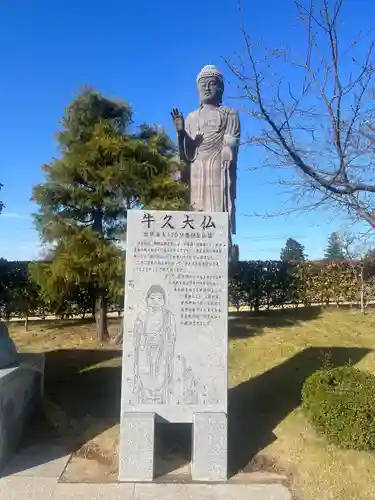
(210, 90)
(155, 301)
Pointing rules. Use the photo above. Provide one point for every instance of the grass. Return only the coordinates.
(271, 354)
(267, 369)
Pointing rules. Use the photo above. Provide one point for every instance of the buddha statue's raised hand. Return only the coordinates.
(178, 120)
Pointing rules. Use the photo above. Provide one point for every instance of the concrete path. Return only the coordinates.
(36, 488)
(34, 473)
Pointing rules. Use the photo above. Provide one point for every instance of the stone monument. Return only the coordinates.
(175, 338)
(208, 145)
(21, 387)
(8, 351)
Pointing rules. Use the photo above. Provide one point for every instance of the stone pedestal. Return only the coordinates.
(210, 446)
(137, 444)
(8, 351)
(21, 388)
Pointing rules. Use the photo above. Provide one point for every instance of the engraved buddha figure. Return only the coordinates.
(208, 144)
(154, 340)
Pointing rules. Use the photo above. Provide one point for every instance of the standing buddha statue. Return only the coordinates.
(208, 145)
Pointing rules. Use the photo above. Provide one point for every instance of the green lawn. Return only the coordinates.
(271, 354)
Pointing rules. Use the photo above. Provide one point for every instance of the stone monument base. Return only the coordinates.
(210, 447)
(137, 444)
(21, 388)
(137, 447)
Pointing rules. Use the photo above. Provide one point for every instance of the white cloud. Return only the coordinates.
(15, 215)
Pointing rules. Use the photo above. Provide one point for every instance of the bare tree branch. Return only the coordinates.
(325, 129)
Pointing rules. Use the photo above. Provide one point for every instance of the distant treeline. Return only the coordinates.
(253, 284)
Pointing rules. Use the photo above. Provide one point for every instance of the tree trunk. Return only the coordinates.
(26, 322)
(101, 316)
(120, 336)
(100, 304)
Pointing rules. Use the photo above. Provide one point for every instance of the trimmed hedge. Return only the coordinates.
(267, 284)
(256, 285)
(340, 404)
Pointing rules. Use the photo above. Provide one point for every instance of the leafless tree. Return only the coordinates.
(353, 245)
(315, 109)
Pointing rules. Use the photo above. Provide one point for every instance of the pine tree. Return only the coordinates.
(103, 171)
(293, 251)
(335, 249)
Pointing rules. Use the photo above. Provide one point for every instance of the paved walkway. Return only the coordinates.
(33, 488)
(17, 488)
(34, 473)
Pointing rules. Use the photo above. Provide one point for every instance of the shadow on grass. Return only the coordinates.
(64, 362)
(61, 324)
(53, 324)
(58, 324)
(76, 393)
(245, 324)
(257, 406)
(80, 389)
(95, 392)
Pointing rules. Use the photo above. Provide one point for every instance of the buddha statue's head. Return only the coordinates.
(210, 85)
(155, 298)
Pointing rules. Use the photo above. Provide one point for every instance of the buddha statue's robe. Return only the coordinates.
(209, 130)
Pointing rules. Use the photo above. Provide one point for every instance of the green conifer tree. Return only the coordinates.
(103, 171)
(335, 249)
(293, 251)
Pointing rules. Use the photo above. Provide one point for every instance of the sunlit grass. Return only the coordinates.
(269, 357)
(317, 469)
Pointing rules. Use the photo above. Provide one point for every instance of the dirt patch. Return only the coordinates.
(97, 460)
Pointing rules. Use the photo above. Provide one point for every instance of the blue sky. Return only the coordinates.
(149, 54)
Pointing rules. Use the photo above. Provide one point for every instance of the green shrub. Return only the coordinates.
(340, 403)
